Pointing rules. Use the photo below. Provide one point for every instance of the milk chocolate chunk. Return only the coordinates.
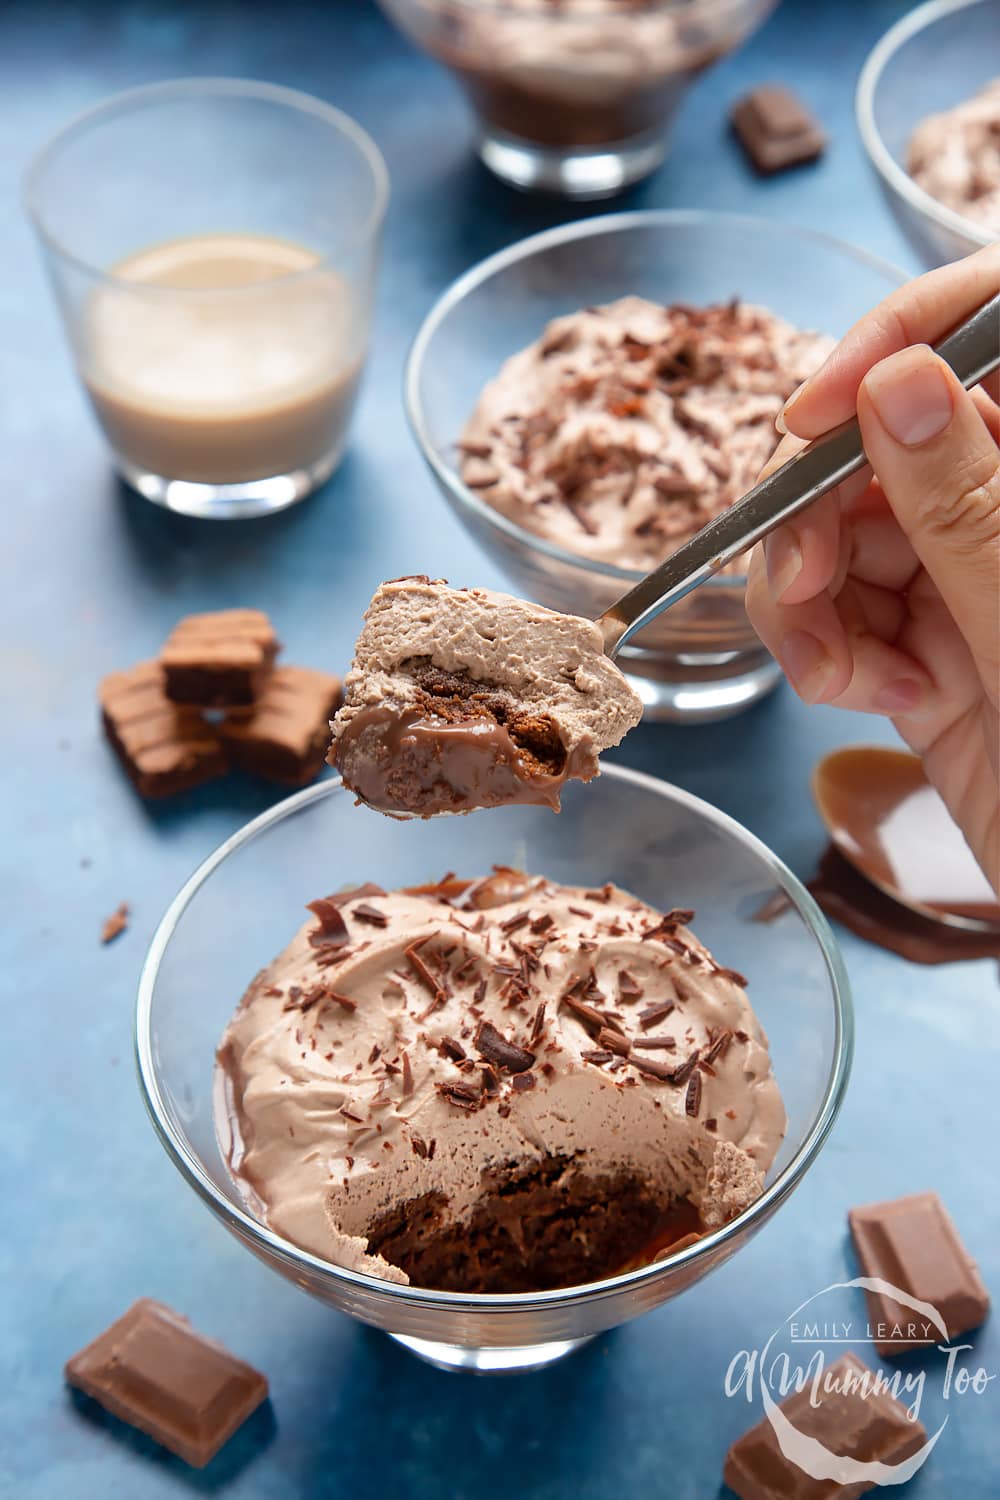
(912, 1244)
(776, 130)
(285, 735)
(219, 660)
(152, 1370)
(852, 1418)
(163, 747)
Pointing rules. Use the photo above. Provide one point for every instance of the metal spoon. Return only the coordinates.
(972, 351)
(886, 819)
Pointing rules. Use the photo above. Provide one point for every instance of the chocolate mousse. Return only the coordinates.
(465, 698)
(494, 1086)
(572, 74)
(955, 156)
(625, 428)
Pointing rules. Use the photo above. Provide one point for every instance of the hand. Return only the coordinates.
(884, 596)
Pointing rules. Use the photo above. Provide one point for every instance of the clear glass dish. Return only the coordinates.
(937, 56)
(241, 907)
(217, 311)
(576, 99)
(702, 659)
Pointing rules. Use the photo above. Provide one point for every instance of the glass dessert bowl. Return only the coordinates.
(934, 58)
(576, 98)
(701, 660)
(649, 838)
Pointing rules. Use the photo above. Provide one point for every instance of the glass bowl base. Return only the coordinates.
(488, 1361)
(230, 502)
(599, 172)
(702, 689)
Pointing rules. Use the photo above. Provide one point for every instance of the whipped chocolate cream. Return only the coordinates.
(626, 427)
(955, 156)
(465, 698)
(500, 1085)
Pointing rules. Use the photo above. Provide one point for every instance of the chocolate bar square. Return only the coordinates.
(912, 1243)
(152, 1370)
(846, 1422)
(163, 748)
(286, 734)
(219, 660)
(776, 130)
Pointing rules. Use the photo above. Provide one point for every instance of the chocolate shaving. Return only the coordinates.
(519, 919)
(479, 994)
(448, 1046)
(407, 1076)
(494, 1046)
(347, 1114)
(652, 1043)
(653, 1069)
(344, 1001)
(719, 1045)
(667, 925)
(687, 1067)
(711, 1123)
(368, 913)
(523, 1081)
(538, 1022)
(418, 1144)
(491, 1083)
(588, 1014)
(614, 1041)
(542, 923)
(462, 1095)
(654, 1013)
(421, 970)
(741, 1036)
(692, 1099)
(116, 924)
(597, 1055)
(629, 987)
(375, 1053)
(734, 975)
(332, 930)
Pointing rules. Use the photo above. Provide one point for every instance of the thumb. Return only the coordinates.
(939, 469)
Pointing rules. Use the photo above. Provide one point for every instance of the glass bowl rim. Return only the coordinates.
(167, 89)
(523, 249)
(191, 1168)
(893, 175)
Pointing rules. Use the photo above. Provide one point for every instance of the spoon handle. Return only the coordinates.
(972, 351)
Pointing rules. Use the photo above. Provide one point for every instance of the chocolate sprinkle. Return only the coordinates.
(494, 1046)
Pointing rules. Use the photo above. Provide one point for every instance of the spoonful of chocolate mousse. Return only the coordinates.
(465, 698)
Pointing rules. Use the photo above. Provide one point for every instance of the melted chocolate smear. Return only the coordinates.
(847, 897)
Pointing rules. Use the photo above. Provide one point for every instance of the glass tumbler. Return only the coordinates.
(212, 245)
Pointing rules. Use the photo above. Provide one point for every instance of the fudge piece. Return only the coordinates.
(286, 734)
(955, 156)
(853, 1418)
(464, 698)
(626, 428)
(152, 1370)
(501, 1085)
(776, 130)
(163, 747)
(219, 660)
(912, 1244)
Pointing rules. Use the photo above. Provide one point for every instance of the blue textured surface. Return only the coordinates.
(93, 1213)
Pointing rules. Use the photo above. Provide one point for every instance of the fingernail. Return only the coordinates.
(808, 664)
(783, 556)
(779, 421)
(903, 696)
(911, 397)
